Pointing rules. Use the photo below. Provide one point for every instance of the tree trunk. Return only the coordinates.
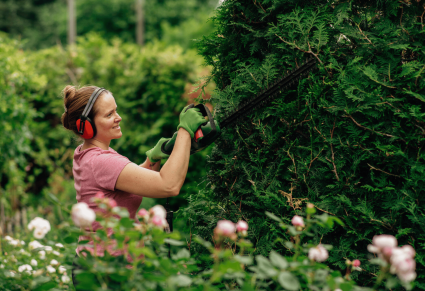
(72, 23)
(140, 22)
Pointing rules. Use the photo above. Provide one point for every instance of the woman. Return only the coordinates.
(97, 167)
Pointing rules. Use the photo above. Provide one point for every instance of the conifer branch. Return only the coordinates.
(308, 52)
(325, 211)
(361, 31)
(255, 3)
(333, 156)
(361, 126)
(311, 162)
(373, 168)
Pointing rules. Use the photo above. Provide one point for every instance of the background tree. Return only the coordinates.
(44, 23)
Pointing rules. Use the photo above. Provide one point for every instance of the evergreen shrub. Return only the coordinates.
(349, 138)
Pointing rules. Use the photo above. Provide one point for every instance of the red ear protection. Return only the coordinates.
(85, 125)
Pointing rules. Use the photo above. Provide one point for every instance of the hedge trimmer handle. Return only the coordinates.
(204, 135)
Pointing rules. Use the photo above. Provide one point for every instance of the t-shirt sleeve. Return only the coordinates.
(107, 167)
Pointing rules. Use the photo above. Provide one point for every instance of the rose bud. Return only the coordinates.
(297, 221)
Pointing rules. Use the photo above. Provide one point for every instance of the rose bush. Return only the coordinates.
(161, 260)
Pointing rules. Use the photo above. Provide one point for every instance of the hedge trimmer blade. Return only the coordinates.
(269, 94)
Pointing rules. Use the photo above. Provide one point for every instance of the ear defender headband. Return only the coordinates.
(85, 125)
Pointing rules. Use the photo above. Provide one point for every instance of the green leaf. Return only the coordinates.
(181, 254)
(265, 266)
(46, 286)
(180, 280)
(126, 222)
(274, 217)
(247, 260)
(174, 242)
(288, 281)
(278, 261)
(118, 277)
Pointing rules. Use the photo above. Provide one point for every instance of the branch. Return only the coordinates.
(373, 168)
(361, 126)
(333, 157)
(308, 52)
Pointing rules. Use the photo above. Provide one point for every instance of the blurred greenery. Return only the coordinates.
(43, 23)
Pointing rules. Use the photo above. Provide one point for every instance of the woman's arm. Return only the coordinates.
(151, 166)
(162, 184)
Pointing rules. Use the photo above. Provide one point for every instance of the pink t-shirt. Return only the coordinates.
(97, 170)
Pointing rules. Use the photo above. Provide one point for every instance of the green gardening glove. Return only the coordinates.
(155, 154)
(191, 119)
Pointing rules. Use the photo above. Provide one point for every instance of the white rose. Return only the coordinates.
(59, 245)
(82, 215)
(34, 245)
(318, 254)
(48, 249)
(1, 266)
(50, 269)
(62, 269)
(41, 227)
(42, 255)
(65, 279)
(158, 210)
(34, 263)
(22, 242)
(13, 242)
(26, 268)
(8, 238)
(54, 262)
(56, 253)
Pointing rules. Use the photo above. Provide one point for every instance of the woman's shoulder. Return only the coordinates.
(90, 153)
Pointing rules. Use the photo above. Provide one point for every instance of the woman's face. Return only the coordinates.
(107, 119)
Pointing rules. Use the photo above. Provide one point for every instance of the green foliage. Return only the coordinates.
(349, 138)
(44, 23)
(161, 261)
(150, 86)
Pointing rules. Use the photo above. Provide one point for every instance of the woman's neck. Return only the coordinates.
(90, 143)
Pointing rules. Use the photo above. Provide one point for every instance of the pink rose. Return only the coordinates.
(158, 210)
(356, 263)
(99, 195)
(318, 254)
(143, 213)
(409, 250)
(159, 221)
(379, 242)
(225, 227)
(241, 226)
(407, 277)
(297, 221)
(112, 203)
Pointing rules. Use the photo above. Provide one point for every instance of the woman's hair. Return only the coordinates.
(74, 101)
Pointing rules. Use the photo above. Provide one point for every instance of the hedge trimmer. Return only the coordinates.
(208, 133)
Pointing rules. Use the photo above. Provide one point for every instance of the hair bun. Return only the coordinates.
(68, 92)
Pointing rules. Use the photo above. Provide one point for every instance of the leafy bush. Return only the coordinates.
(160, 260)
(349, 138)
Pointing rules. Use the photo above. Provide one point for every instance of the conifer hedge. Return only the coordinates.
(349, 138)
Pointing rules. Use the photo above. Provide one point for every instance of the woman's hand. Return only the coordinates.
(191, 119)
(155, 154)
